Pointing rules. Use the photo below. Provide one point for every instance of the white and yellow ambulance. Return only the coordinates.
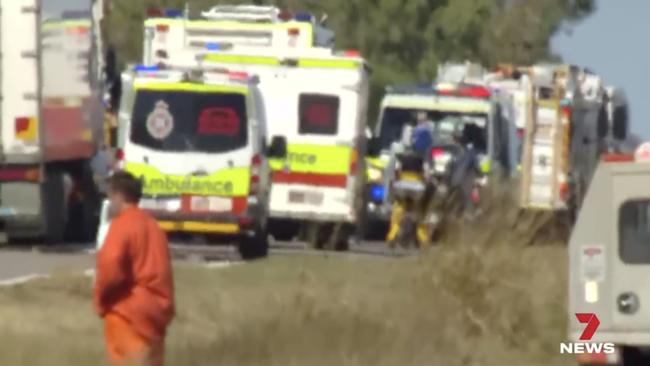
(169, 32)
(316, 98)
(198, 140)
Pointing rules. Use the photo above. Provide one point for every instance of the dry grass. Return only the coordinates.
(464, 306)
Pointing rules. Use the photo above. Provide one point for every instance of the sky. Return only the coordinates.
(613, 43)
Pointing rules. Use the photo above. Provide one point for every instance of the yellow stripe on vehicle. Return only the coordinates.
(199, 227)
(242, 59)
(325, 63)
(275, 61)
(66, 24)
(312, 158)
(227, 182)
(193, 87)
(434, 103)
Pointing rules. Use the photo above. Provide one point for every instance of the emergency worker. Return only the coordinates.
(415, 155)
(134, 292)
(465, 169)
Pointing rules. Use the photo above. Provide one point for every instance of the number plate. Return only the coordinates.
(310, 198)
(211, 204)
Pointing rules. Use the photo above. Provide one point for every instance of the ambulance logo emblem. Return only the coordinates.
(160, 122)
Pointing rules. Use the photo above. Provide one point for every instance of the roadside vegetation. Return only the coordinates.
(474, 304)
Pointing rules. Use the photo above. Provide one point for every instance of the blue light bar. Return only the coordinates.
(173, 13)
(303, 17)
(211, 46)
(145, 68)
(377, 192)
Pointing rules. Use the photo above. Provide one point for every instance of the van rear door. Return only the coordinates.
(19, 81)
(631, 264)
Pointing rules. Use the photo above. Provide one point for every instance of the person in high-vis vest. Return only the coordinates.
(134, 292)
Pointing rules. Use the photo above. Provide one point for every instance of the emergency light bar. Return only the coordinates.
(242, 13)
(165, 13)
(195, 73)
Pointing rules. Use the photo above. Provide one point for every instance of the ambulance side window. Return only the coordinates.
(318, 114)
(634, 232)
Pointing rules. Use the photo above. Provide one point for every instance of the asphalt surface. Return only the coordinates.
(22, 263)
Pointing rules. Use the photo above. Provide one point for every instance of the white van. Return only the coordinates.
(318, 99)
(198, 142)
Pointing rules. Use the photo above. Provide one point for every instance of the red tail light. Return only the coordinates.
(256, 166)
(162, 28)
(119, 155)
(437, 151)
(21, 124)
(566, 111)
(293, 31)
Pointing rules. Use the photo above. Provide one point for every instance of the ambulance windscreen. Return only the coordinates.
(181, 121)
(394, 120)
(318, 114)
(634, 232)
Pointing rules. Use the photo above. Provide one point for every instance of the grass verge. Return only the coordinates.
(458, 305)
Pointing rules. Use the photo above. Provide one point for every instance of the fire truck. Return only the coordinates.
(172, 32)
(566, 133)
(51, 115)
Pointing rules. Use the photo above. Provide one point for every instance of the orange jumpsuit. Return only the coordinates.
(134, 291)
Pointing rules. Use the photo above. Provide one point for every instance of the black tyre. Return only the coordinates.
(319, 234)
(54, 206)
(254, 247)
(284, 230)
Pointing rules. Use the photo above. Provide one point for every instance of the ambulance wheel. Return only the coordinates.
(255, 246)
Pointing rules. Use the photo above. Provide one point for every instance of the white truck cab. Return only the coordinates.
(198, 140)
(609, 260)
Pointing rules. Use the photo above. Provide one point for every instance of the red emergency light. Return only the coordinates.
(475, 91)
(352, 53)
(293, 31)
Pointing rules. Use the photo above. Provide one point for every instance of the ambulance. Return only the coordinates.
(169, 32)
(317, 98)
(449, 106)
(197, 139)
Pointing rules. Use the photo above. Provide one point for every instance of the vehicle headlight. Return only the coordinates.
(374, 174)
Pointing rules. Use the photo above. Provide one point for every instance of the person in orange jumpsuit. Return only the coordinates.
(134, 292)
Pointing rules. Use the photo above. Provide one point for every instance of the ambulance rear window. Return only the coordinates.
(634, 232)
(182, 121)
(318, 114)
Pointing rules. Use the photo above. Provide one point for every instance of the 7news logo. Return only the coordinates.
(592, 323)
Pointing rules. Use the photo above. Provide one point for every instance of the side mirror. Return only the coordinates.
(374, 147)
(278, 147)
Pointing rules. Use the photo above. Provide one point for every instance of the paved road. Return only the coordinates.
(22, 263)
(18, 265)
